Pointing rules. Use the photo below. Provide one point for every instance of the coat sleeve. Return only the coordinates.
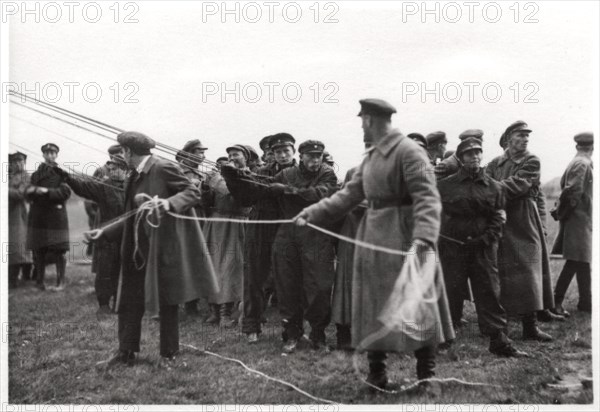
(421, 184)
(342, 202)
(573, 189)
(324, 187)
(59, 194)
(523, 180)
(496, 219)
(540, 201)
(245, 188)
(114, 232)
(87, 188)
(185, 194)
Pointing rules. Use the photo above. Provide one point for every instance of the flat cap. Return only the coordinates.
(518, 126)
(193, 144)
(253, 154)
(327, 157)
(118, 160)
(222, 158)
(115, 149)
(376, 107)
(136, 141)
(241, 148)
(13, 157)
(477, 133)
(50, 146)
(281, 139)
(470, 143)
(448, 153)
(311, 146)
(436, 137)
(584, 139)
(419, 138)
(264, 143)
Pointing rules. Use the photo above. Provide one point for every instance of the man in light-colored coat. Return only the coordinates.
(397, 180)
(574, 211)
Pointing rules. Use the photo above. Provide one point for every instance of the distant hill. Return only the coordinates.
(551, 188)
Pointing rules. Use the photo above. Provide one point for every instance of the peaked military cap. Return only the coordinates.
(311, 146)
(115, 149)
(419, 138)
(265, 143)
(281, 139)
(477, 133)
(584, 139)
(436, 137)
(193, 144)
(376, 107)
(50, 146)
(13, 157)
(470, 143)
(518, 126)
(251, 152)
(241, 148)
(136, 141)
(119, 161)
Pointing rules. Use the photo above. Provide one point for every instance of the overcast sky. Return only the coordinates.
(174, 58)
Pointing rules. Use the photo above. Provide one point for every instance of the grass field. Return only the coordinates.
(55, 341)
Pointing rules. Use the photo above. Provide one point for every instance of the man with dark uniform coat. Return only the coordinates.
(48, 226)
(109, 195)
(162, 266)
(436, 146)
(259, 238)
(574, 212)
(396, 179)
(473, 214)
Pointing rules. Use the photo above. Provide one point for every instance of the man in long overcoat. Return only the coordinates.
(397, 180)
(48, 225)
(19, 257)
(161, 267)
(574, 212)
(523, 260)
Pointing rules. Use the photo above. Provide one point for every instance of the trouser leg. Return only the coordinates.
(483, 272)
(317, 275)
(40, 265)
(287, 266)
(27, 270)
(13, 275)
(564, 280)
(61, 267)
(454, 265)
(131, 311)
(425, 362)
(377, 369)
(584, 284)
(169, 330)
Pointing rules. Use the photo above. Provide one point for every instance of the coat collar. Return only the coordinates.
(388, 142)
(506, 157)
(480, 177)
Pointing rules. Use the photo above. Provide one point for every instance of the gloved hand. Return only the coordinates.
(301, 219)
(277, 189)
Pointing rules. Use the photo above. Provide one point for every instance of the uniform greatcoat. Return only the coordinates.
(18, 253)
(397, 173)
(574, 240)
(523, 260)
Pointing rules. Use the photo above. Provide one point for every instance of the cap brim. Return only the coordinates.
(313, 151)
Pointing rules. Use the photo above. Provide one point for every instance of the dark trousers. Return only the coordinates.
(107, 275)
(303, 268)
(257, 266)
(479, 264)
(15, 269)
(584, 283)
(39, 260)
(425, 362)
(131, 312)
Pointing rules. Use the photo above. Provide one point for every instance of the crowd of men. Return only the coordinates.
(486, 223)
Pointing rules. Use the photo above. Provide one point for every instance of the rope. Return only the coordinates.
(264, 375)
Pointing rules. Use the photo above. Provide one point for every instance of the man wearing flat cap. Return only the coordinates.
(265, 145)
(254, 160)
(226, 240)
(450, 164)
(164, 264)
(396, 179)
(19, 256)
(574, 212)
(249, 190)
(109, 196)
(419, 138)
(436, 146)
(523, 259)
(48, 225)
(472, 220)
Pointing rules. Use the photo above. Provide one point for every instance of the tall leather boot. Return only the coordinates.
(61, 267)
(26, 269)
(225, 312)
(344, 337)
(40, 269)
(531, 331)
(425, 362)
(377, 370)
(215, 316)
(13, 275)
